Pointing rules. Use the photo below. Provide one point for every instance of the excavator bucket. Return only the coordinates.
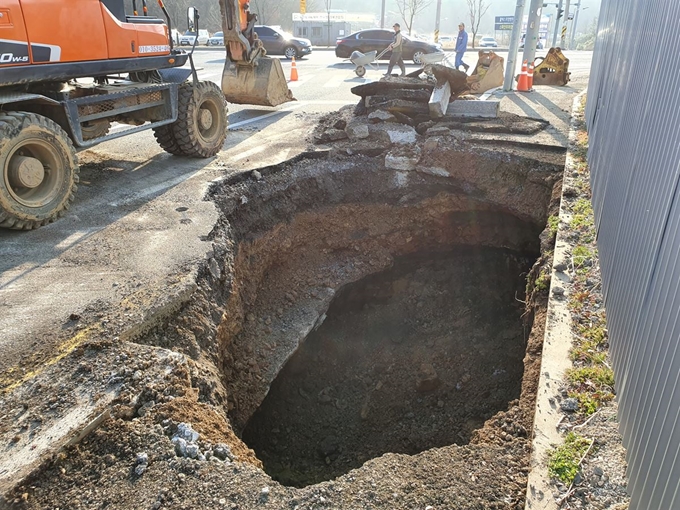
(488, 73)
(553, 69)
(261, 83)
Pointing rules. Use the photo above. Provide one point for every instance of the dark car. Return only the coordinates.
(378, 39)
(278, 42)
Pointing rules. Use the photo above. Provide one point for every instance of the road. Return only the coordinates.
(140, 222)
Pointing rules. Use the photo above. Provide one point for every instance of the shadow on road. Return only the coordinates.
(109, 189)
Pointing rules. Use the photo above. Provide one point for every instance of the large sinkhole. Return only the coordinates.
(414, 357)
(375, 311)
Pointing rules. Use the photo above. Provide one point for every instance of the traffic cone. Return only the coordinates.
(293, 71)
(531, 76)
(523, 79)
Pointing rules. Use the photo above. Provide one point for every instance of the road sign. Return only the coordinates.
(505, 20)
(564, 31)
(503, 26)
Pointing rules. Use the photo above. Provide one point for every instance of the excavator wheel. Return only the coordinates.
(201, 126)
(39, 170)
(165, 136)
(95, 129)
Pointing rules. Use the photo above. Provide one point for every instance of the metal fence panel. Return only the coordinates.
(633, 117)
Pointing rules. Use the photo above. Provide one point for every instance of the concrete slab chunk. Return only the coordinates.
(381, 115)
(488, 109)
(406, 161)
(439, 100)
(434, 170)
(399, 134)
(357, 131)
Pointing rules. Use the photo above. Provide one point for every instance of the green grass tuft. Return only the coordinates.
(563, 462)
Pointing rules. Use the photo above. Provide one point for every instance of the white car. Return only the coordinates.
(188, 38)
(488, 42)
(217, 39)
(447, 42)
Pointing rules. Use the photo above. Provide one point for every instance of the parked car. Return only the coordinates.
(217, 39)
(188, 38)
(447, 42)
(378, 39)
(488, 42)
(278, 42)
(539, 44)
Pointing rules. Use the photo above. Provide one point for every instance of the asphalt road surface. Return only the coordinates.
(140, 222)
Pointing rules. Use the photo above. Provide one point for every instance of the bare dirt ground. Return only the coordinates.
(167, 401)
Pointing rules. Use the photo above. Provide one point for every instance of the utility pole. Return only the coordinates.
(558, 17)
(533, 27)
(573, 25)
(436, 22)
(563, 38)
(514, 46)
(382, 15)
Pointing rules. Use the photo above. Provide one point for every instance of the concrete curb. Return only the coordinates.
(555, 358)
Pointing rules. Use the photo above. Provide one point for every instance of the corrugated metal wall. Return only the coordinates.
(633, 116)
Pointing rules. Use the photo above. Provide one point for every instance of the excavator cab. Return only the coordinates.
(250, 77)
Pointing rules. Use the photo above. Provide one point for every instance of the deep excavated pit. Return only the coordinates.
(415, 357)
(374, 310)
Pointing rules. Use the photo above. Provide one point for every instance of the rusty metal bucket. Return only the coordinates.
(260, 83)
(488, 73)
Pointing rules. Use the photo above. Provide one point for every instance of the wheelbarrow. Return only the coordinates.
(361, 60)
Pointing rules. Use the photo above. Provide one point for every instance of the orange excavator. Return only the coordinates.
(70, 69)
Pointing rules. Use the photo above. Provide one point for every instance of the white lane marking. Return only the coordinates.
(334, 82)
(488, 93)
(327, 101)
(295, 84)
(294, 106)
(250, 152)
(209, 75)
(265, 116)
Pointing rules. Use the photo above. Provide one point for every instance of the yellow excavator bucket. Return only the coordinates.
(488, 73)
(261, 83)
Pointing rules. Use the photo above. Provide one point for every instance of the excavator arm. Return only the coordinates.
(250, 77)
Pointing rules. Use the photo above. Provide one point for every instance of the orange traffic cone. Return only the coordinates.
(530, 76)
(293, 71)
(523, 79)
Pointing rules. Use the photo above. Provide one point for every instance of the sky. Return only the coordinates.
(455, 11)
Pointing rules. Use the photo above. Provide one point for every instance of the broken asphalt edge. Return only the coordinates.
(82, 419)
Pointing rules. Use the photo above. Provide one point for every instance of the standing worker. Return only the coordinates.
(461, 46)
(397, 47)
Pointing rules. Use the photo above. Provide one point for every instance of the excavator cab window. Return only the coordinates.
(117, 8)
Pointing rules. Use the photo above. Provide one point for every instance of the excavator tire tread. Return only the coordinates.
(186, 129)
(12, 214)
(165, 136)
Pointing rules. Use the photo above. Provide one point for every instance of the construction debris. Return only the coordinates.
(439, 100)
